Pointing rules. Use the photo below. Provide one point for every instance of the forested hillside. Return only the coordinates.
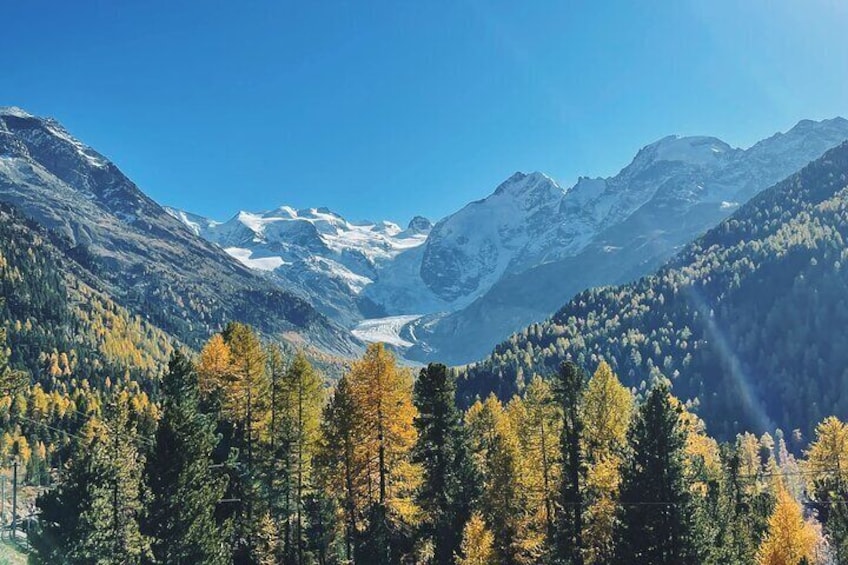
(746, 322)
(59, 326)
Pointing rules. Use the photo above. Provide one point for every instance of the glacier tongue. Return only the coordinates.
(386, 330)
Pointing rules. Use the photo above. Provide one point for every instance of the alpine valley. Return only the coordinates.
(450, 291)
(161, 401)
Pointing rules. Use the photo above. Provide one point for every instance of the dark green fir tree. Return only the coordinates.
(656, 523)
(571, 384)
(185, 487)
(450, 483)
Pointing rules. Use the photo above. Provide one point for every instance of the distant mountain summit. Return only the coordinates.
(327, 259)
(147, 260)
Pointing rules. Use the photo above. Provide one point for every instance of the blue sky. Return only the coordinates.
(390, 109)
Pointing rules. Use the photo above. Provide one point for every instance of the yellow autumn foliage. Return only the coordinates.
(790, 539)
(478, 543)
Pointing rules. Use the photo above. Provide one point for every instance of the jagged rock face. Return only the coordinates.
(147, 258)
(469, 250)
(419, 224)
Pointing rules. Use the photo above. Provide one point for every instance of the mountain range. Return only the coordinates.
(746, 321)
(446, 291)
(450, 291)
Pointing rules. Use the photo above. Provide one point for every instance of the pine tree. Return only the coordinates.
(92, 517)
(303, 399)
(384, 435)
(656, 516)
(213, 367)
(277, 453)
(185, 490)
(246, 403)
(496, 452)
(11, 380)
(570, 389)
(321, 525)
(382, 392)
(342, 467)
(449, 485)
(827, 477)
(247, 390)
(541, 420)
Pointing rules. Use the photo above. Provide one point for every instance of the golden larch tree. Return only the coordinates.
(789, 539)
(607, 410)
(382, 392)
(478, 543)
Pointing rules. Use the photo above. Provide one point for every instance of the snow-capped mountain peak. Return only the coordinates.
(691, 150)
(526, 186)
(14, 111)
(326, 257)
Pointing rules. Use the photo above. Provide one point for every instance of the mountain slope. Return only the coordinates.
(58, 322)
(745, 320)
(147, 260)
(611, 231)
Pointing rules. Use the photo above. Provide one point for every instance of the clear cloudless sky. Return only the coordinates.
(387, 109)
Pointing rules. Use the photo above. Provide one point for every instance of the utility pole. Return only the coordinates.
(115, 500)
(2, 501)
(15, 499)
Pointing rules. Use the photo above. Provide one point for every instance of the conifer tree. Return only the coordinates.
(303, 400)
(382, 393)
(235, 385)
(495, 449)
(789, 539)
(569, 538)
(656, 522)
(11, 380)
(541, 425)
(214, 365)
(827, 477)
(93, 515)
(449, 485)
(340, 459)
(321, 524)
(185, 490)
(276, 461)
(477, 547)
(246, 395)
(606, 409)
